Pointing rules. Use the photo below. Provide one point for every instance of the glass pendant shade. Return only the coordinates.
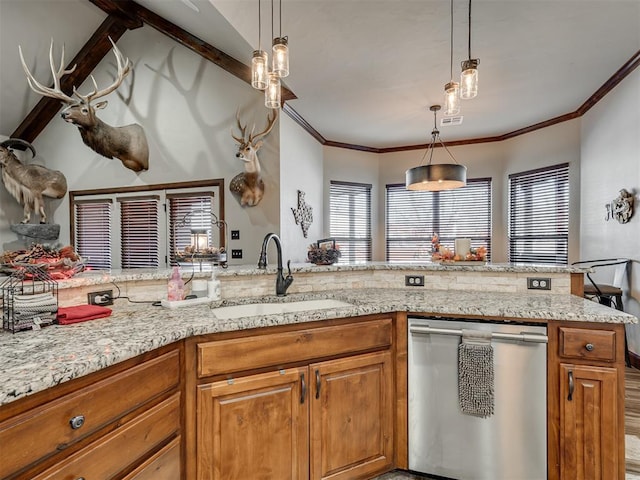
(469, 79)
(280, 63)
(272, 94)
(436, 177)
(451, 98)
(259, 70)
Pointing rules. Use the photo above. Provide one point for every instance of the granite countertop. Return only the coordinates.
(36, 360)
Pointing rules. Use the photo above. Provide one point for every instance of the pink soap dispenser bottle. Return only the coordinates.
(176, 286)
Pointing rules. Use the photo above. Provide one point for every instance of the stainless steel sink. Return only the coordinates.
(254, 309)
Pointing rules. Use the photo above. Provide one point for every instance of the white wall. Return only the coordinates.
(301, 169)
(610, 161)
(187, 107)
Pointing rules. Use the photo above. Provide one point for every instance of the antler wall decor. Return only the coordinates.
(127, 143)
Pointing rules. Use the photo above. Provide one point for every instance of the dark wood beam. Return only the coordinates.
(197, 45)
(86, 60)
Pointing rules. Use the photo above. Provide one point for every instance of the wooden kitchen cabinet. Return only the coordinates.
(586, 402)
(98, 426)
(295, 420)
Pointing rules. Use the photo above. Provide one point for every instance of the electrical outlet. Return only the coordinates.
(103, 297)
(535, 283)
(414, 280)
(236, 253)
(235, 234)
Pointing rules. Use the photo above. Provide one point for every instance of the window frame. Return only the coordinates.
(438, 218)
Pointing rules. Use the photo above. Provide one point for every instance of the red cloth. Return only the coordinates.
(81, 313)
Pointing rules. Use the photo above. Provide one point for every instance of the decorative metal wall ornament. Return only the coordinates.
(621, 207)
(303, 214)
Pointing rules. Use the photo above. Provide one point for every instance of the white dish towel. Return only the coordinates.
(476, 374)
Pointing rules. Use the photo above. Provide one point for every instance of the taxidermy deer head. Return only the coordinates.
(248, 187)
(128, 143)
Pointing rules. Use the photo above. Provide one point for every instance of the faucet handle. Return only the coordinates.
(289, 268)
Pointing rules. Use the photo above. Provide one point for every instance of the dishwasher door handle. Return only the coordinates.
(521, 337)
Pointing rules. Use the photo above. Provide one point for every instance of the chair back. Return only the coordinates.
(615, 266)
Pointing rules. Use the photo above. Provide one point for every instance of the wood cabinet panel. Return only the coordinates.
(164, 465)
(45, 430)
(240, 354)
(351, 411)
(589, 447)
(596, 345)
(108, 456)
(254, 427)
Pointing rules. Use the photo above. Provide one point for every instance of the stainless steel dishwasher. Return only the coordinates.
(511, 444)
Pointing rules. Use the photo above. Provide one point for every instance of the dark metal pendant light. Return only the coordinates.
(441, 176)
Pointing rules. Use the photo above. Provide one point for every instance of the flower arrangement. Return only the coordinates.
(444, 254)
(324, 252)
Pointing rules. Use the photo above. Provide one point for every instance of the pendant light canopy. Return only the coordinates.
(469, 75)
(443, 176)
(451, 89)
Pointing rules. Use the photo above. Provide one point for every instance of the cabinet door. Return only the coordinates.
(351, 416)
(254, 427)
(588, 423)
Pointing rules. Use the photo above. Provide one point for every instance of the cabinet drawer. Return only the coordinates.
(589, 344)
(121, 448)
(47, 429)
(238, 354)
(164, 465)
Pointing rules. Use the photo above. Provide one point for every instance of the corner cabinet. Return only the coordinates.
(586, 401)
(289, 413)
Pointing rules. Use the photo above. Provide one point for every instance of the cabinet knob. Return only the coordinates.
(589, 347)
(76, 422)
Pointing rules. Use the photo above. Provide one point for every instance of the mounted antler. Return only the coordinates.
(248, 186)
(128, 143)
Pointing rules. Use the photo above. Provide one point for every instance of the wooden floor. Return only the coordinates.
(632, 419)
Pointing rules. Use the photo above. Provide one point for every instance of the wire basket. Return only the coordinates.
(29, 299)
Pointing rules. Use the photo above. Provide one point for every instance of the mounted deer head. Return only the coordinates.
(248, 187)
(128, 143)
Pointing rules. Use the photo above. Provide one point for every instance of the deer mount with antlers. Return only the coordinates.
(248, 186)
(127, 143)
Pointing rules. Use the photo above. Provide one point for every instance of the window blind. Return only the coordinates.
(412, 217)
(186, 212)
(539, 215)
(139, 235)
(350, 219)
(93, 233)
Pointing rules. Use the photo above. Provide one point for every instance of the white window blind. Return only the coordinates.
(539, 216)
(93, 232)
(186, 212)
(139, 235)
(350, 219)
(412, 217)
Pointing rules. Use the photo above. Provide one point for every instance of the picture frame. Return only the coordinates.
(328, 243)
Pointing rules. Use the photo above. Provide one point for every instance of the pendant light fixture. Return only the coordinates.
(280, 65)
(469, 75)
(259, 61)
(436, 177)
(272, 95)
(451, 89)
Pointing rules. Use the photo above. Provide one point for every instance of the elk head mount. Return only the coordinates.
(248, 186)
(128, 143)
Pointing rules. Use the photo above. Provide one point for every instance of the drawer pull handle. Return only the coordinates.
(589, 347)
(76, 422)
(318, 384)
(571, 386)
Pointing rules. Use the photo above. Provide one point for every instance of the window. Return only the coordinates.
(539, 215)
(412, 217)
(148, 226)
(350, 219)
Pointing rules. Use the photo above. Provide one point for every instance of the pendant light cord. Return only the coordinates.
(451, 43)
(280, 22)
(271, 18)
(259, 27)
(469, 29)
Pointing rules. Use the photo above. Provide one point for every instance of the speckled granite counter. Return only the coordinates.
(35, 360)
